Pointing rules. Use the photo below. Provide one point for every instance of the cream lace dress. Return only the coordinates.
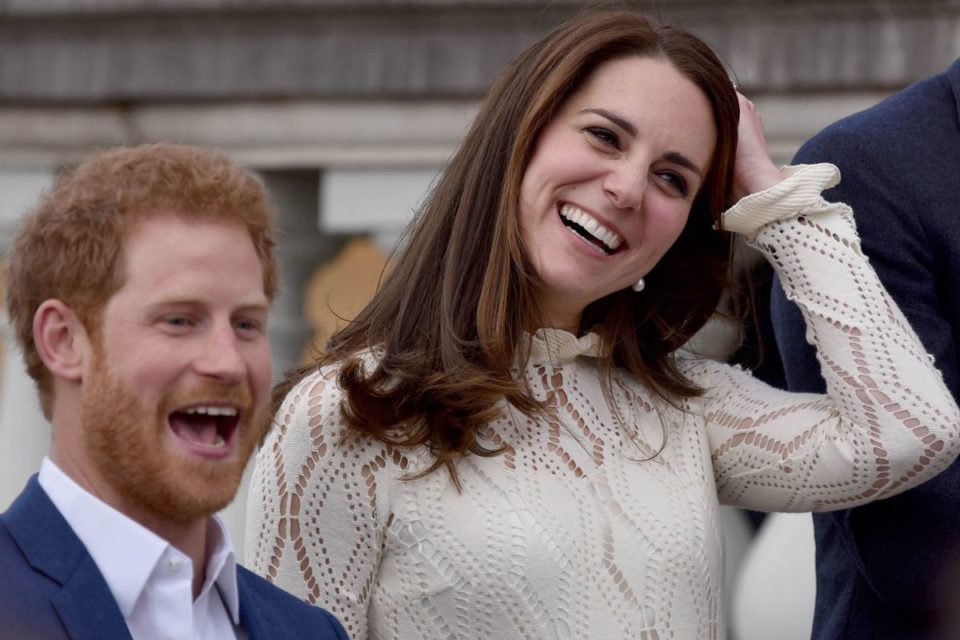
(594, 526)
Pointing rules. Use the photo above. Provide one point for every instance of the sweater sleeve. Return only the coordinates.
(319, 504)
(887, 421)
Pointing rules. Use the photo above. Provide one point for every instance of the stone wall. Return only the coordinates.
(108, 51)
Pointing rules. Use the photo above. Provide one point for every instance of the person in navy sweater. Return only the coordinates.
(885, 570)
(139, 289)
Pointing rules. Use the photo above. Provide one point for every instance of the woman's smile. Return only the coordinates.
(589, 228)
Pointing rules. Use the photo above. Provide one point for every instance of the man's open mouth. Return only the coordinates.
(207, 426)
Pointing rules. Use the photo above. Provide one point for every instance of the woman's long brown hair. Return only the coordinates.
(447, 322)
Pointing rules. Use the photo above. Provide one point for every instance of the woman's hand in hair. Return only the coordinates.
(753, 171)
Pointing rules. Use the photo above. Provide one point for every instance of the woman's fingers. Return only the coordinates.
(753, 170)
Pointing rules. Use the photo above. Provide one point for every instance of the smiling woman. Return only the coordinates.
(611, 182)
(509, 441)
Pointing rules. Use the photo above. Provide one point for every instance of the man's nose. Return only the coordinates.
(220, 356)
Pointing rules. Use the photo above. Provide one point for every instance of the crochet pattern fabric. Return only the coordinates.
(601, 521)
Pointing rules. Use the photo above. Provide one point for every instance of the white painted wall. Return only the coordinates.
(372, 200)
(775, 589)
(24, 434)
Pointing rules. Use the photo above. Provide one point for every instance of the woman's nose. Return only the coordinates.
(624, 185)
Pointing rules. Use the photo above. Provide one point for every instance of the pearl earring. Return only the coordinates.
(638, 285)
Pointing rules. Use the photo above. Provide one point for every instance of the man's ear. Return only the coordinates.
(61, 339)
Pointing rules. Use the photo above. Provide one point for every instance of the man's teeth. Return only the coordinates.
(212, 411)
(609, 238)
(218, 442)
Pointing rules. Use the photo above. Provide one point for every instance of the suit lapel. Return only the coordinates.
(85, 605)
(254, 616)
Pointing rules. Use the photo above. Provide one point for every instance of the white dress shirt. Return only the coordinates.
(149, 578)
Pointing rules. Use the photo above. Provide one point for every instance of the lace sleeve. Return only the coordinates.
(887, 421)
(319, 504)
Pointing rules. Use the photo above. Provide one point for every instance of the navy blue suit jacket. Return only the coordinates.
(879, 566)
(50, 587)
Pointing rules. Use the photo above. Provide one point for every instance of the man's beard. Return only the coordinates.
(132, 447)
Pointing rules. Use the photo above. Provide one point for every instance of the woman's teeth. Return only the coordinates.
(587, 226)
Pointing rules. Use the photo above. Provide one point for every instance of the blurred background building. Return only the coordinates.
(349, 109)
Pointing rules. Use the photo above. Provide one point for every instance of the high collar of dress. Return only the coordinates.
(556, 346)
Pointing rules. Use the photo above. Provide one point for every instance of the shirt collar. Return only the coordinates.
(555, 346)
(125, 551)
(222, 567)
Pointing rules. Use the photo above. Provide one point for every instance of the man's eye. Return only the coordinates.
(606, 136)
(177, 321)
(247, 325)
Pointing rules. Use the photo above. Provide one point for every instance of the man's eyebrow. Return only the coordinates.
(175, 301)
(626, 125)
(671, 156)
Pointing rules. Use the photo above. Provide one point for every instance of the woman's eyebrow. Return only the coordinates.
(624, 124)
(682, 160)
(671, 156)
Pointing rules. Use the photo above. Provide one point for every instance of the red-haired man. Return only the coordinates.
(139, 289)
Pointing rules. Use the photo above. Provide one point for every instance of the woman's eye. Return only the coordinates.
(676, 182)
(604, 135)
